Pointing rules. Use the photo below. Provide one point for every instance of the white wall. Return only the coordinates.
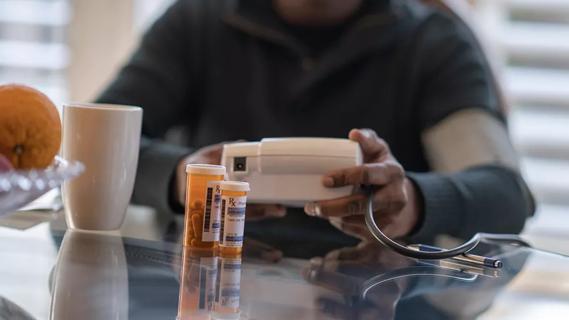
(101, 36)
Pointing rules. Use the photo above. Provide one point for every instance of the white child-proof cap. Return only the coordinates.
(211, 169)
(235, 186)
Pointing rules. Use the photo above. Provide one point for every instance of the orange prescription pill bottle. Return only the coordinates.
(233, 203)
(203, 205)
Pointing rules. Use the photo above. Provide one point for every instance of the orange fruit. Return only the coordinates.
(30, 128)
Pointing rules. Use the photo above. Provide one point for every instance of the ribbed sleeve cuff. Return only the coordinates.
(156, 170)
(442, 206)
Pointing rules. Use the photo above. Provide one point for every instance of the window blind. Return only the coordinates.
(33, 48)
(528, 42)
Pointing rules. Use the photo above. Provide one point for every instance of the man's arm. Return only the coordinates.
(159, 78)
(475, 185)
(483, 194)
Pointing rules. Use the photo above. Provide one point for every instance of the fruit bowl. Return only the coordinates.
(20, 187)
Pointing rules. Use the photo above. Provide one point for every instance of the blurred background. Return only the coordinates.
(71, 48)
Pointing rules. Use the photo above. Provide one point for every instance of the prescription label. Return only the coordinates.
(233, 220)
(212, 212)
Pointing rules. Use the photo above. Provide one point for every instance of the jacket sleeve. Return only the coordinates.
(159, 78)
(485, 198)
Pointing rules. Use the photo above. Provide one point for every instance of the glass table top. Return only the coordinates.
(141, 272)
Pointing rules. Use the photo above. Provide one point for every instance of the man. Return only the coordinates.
(436, 151)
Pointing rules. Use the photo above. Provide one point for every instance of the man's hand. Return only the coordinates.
(395, 202)
(212, 155)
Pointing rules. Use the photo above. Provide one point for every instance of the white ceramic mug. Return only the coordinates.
(105, 138)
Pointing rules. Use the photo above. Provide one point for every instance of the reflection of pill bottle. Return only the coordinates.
(233, 202)
(201, 227)
(198, 281)
(228, 289)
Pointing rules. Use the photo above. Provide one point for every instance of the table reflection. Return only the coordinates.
(106, 277)
(375, 283)
(90, 278)
(228, 288)
(209, 286)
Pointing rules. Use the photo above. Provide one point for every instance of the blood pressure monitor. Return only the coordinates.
(289, 171)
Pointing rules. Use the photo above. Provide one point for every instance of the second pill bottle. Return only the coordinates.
(233, 203)
(203, 200)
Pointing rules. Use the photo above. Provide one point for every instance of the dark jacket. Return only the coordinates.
(227, 70)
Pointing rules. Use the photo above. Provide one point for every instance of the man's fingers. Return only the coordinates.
(210, 155)
(377, 174)
(264, 211)
(340, 207)
(356, 230)
(390, 199)
(386, 201)
(370, 143)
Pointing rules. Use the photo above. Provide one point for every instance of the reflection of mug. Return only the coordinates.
(91, 279)
(106, 139)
